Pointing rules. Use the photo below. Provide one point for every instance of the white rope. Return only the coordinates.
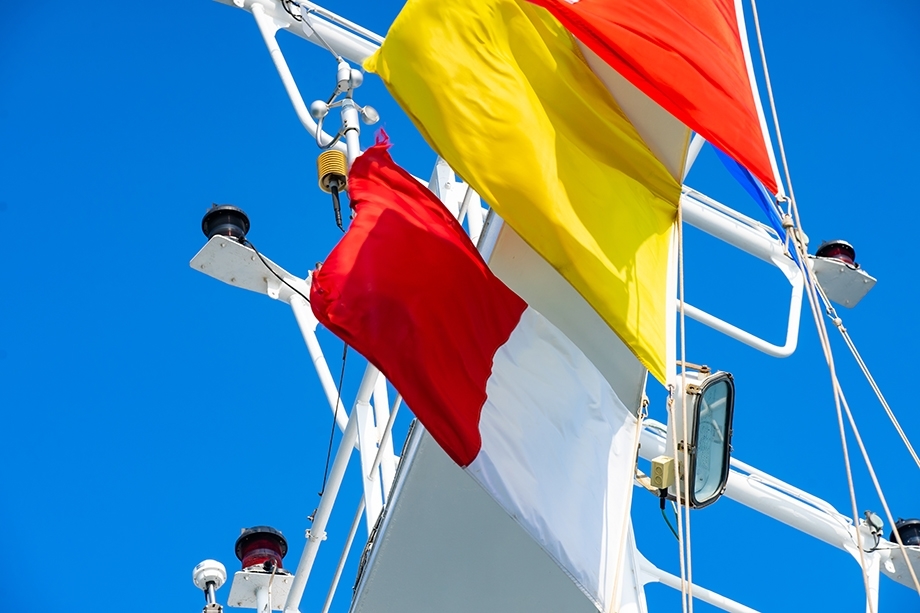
(838, 399)
(614, 604)
(878, 488)
(687, 551)
(838, 322)
(680, 523)
(798, 241)
(766, 75)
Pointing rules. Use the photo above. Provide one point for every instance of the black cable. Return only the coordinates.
(878, 539)
(285, 4)
(668, 521)
(272, 270)
(335, 415)
(336, 205)
(663, 495)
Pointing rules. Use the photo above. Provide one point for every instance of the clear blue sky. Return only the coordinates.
(150, 412)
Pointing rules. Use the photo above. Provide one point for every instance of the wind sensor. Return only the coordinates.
(333, 163)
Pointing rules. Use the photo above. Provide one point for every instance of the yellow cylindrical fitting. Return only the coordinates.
(333, 170)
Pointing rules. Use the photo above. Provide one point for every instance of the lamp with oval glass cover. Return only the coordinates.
(710, 401)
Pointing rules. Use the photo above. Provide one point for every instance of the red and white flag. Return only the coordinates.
(509, 397)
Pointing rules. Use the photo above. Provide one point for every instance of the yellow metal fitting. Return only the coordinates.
(333, 170)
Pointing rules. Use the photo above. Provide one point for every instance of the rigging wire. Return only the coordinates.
(837, 391)
(614, 603)
(877, 486)
(838, 322)
(766, 74)
(686, 550)
(814, 289)
(335, 414)
(672, 418)
(839, 398)
(878, 489)
(872, 474)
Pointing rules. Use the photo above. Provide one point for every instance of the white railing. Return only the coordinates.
(754, 238)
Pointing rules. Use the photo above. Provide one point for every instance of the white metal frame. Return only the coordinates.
(239, 265)
(320, 27)
(754, 238)
(368, 427)
(651, 573)
(786, 504)
(317, 532)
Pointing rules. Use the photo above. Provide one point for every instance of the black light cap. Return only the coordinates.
(908, 529)
(839, 250)
(225, 220)
(261, 544)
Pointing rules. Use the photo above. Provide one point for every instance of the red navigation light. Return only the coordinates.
(841, 251)
(261, 545)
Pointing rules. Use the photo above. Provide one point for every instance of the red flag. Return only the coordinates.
(407, 289)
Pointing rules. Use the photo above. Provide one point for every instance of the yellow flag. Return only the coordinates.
(501, 91)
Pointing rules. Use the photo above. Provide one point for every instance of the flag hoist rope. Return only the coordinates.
(843, 406)
(813, 300)
(680, 522)
(683, 510)
(614, 602)
(798, 243)
(687, 548)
